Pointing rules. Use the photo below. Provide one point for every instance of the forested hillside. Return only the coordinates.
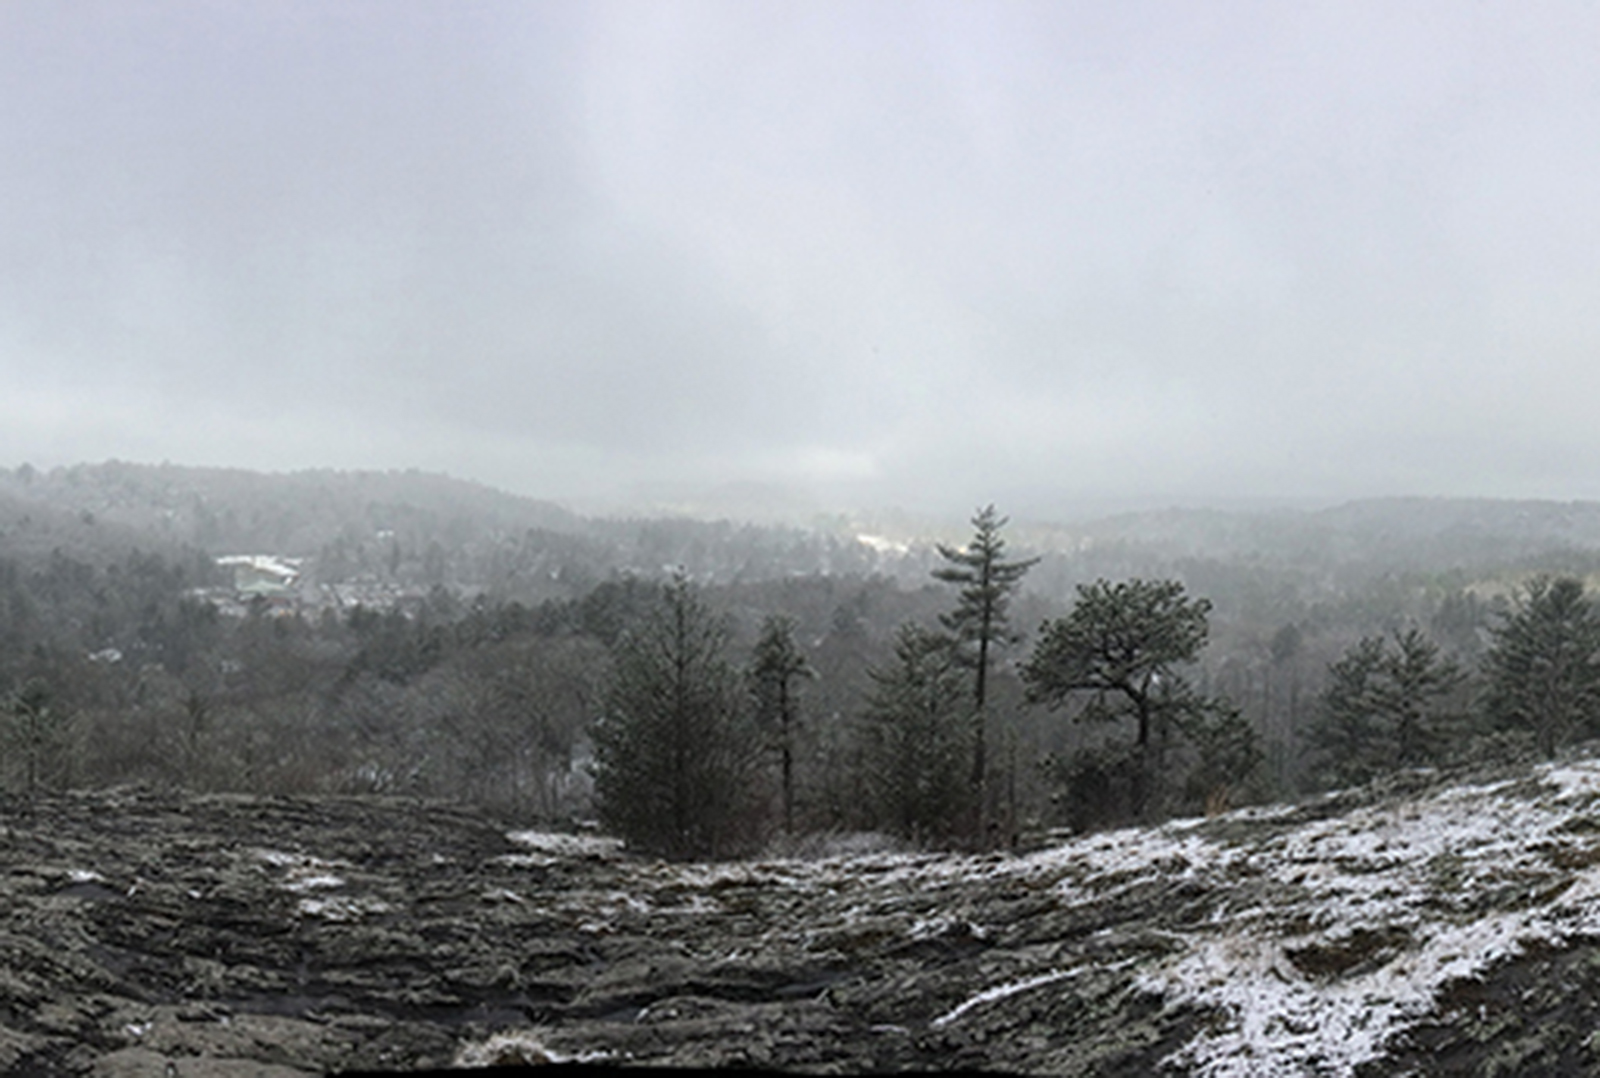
(438, 637)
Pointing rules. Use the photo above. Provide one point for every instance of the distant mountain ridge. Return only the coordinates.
(1408, 531)
(445, 530)
(292, 513)
(410, 528)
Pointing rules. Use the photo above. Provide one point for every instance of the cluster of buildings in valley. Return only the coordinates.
(281, 587)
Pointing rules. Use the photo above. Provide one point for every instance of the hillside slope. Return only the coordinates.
(1386, 534)
(293, 513)
(1365, 933)
(299, 513)
(411, 527)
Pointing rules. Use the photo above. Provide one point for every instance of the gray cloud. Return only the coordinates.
(927, 253)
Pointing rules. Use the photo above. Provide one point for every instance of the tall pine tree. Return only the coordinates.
(981, 625)
(1386, 705)
(673, 754)
(776, 668)
(1544, 666)
(912, 738)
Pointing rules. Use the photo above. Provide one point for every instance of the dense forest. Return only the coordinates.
(947, 682)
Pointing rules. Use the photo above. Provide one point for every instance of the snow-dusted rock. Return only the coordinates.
(1427, 925)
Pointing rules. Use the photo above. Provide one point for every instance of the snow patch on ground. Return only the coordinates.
(1324, 937)
(1369, 887)
(521, 1049)
(313, 882)
(341, 908)
(999, 992)
(547, 847)
(302, 872)
(304, 875)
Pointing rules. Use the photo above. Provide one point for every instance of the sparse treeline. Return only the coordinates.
(701, 718)
(1402, 700)
(677, 768)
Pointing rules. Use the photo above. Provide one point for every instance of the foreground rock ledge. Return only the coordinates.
(1448, 925)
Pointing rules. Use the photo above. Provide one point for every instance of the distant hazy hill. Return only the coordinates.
(427, 528)
(406, 527)
(30, 528)
(294, 513)
(1388, 532)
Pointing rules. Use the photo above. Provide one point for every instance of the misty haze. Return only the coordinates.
(1048, 538)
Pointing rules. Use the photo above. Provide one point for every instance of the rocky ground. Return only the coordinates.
(1426, 926)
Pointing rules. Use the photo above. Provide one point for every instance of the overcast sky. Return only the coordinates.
(919, 253)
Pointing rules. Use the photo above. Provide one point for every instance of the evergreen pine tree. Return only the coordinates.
(1346, 734)
(1119, 651)
(914, 752)
(776, 667)
(980, 623)
(1543, 668)
(39, 730)
(673, 755)
(1386, 705)
(1419, 682)
(1227, 754)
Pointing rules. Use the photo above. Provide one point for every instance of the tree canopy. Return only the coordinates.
(980, 623)
(776, 668)
(672, 758)
(1543, 668)
(1118, 652)
(1123, 643)
(1386, 705)
(914, 754)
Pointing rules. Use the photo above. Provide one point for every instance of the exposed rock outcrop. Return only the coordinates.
(1437, 926)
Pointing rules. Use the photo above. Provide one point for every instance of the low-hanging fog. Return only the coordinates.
(930, 254)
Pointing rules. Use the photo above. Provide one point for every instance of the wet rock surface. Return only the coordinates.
(155, 934)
